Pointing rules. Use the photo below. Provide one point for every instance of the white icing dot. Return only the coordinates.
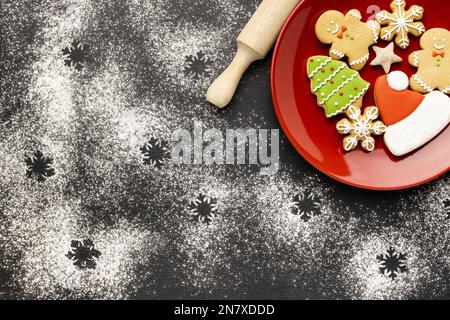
(343, 77)
(322, 94)
(398, 80)
(351, 96)
(318, 80)
(336, 103)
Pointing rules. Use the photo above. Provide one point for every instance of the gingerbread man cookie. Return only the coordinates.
(433, 62)
(348, 36)
(400, 23)
(359, 128)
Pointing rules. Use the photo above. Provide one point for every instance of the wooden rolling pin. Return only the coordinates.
(254, 42)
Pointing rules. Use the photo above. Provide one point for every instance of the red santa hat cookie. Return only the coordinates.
(393, 99)
(412, 119)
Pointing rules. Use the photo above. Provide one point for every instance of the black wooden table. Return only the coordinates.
(91, 205)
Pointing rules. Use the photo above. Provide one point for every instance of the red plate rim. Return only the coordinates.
(298, 147)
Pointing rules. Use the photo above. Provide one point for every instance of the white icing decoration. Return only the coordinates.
(374, 27)
(329, 78)
(363, 92)
(323, 64)
(422, 83)
(416, 59)
(356, 15)
(341, 110)
(360, 127)
(360, 61)
(420, 127)
(338, 53)
(401, 21)
(336, 30)
(398, 81)
(438, 47)
(343, 84)
(446, 90)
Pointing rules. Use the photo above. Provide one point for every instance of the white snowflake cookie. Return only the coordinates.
(359, 128)
(400, 23)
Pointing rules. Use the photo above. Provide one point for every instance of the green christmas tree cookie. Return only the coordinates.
(336, 86)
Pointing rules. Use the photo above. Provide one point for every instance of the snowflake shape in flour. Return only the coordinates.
(156, 153)
(447, 208)
(306, 205)
(39, 167)
(198, 65)
(203, 209)
(400, 23)
(75, 55)
(83, 254)
(392, 263)
(360, 128)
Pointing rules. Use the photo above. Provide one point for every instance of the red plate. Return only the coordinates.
(315, 137)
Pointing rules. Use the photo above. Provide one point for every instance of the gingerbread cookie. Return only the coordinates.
(336, 85)
(433, 62)
(348, 36)
(401, 22)
(359, 128)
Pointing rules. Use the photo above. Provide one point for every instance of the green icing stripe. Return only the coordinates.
(339, 87)
(342, 67)
(323, 64)
(332, 110)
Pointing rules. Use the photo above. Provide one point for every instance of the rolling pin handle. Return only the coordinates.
(222, 90)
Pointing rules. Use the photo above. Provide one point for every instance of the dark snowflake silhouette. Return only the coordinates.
(156, 153)
(203, 209)
(198, 65)
(393, 263)
(39, 167)
(306, 205)
(83, 254)
(447, 208)
(75, 55)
